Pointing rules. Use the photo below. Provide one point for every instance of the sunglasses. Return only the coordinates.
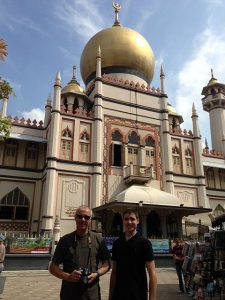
(80, 217)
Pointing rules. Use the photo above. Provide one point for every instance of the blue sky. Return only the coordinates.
(43, 37)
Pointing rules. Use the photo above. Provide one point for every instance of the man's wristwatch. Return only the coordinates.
(98, 274)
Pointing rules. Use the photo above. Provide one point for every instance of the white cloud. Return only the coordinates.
(35, 114)
(83, 16)
(209, 52)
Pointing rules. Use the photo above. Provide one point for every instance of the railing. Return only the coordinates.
(23, 243)
(137, 171)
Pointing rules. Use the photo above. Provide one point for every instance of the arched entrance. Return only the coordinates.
(153, 225)
(172, 226)
(117, 225)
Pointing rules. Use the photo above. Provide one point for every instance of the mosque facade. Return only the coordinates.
(114, 145)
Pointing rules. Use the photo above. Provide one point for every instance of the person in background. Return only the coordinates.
(2, 252)
(80, 253)
(132, 255)
(177, 251)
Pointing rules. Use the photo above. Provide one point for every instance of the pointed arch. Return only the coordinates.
(218, 210)
(176, 159)
(133, 138)
(84, 136)
(67, 132)
(117, 135)
(14, 206)
(84, 146)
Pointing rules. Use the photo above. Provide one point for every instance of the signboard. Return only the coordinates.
(160, 246)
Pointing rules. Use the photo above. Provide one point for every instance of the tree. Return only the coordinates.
(5, 91)
(5, 127)
(5, 124)
(3, 49)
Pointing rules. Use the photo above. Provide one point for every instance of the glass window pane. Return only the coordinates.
(6, 212)
(21, 213)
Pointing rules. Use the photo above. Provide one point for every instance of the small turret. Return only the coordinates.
(214, 103)
(48, 108)
(162, 78)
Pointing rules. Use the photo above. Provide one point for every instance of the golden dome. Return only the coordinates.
(121, 49)
(171, 109)
(73, 86)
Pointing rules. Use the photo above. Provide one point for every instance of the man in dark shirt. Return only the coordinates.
(131, 255)
(80, 252)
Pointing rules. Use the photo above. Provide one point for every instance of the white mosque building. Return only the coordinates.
(114, 145)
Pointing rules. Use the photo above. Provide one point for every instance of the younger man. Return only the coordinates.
(131, 255)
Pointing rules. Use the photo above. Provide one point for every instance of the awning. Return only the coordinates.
(214, 165)
(198, 219)
(26, 137)
(147, 195)
(179, 210)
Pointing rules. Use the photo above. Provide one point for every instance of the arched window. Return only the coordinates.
(218, 211)
(189, 161)
(133, 139)
(117, 148)
(222, 179)
(116, 136)
(67, 132)
(31, 155)
(85, 146)
(14, 206)
(210, 178)
(66, 144)
(10, 152)
(176, 159)
(149, 151)
(85, 136)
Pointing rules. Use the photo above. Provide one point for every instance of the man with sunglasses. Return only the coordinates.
(80, 253)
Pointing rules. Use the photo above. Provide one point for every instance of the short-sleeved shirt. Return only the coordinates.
(131, 256)
(75, 252)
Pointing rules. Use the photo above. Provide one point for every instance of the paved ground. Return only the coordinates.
(29, 285)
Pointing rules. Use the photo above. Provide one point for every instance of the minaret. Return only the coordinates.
(97, 135)
(214, 103)
(49, 201)
(166, 140)
(48, 108)
(197, 145)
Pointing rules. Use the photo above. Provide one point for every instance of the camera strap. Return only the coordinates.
(89, 244)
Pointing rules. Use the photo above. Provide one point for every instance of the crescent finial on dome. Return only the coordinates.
(117, 8)
(74, 73)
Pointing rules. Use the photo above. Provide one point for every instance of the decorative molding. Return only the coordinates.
(73, 195)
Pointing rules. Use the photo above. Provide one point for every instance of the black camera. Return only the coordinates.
(85, 272)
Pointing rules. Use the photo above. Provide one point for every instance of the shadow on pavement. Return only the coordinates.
(170, 292)
(2, 283)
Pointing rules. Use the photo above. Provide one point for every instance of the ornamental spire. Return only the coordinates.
(74, 73)
(117, 8)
